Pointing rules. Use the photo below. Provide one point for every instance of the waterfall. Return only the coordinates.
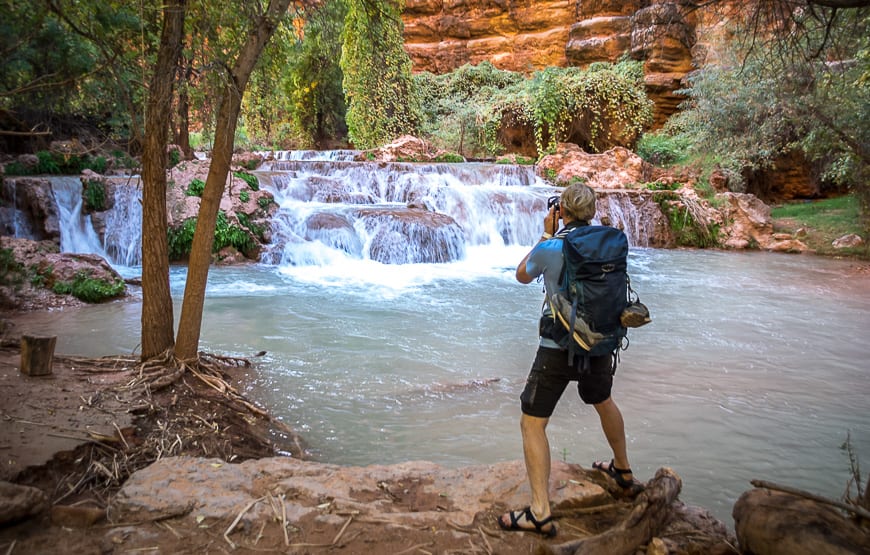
(123, 234)
(398, 213)
(121, 244)
(76, 229)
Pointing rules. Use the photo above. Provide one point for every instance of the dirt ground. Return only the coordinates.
(79, 433)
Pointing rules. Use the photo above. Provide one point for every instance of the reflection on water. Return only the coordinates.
(754, 366)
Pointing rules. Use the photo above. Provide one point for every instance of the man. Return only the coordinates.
(551, 373)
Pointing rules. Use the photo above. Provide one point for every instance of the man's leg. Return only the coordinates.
(536, 451)
(614, 430)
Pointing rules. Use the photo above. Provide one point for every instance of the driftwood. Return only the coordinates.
(860, 511)
(648, 517)
(771, 522)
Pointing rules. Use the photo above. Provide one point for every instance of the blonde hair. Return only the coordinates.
(578, 202)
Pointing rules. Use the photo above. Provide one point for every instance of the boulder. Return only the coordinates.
(20, 502)
(617, 168)
(851, 240)
(433, 237)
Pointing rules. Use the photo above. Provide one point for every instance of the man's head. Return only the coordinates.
(577, 202)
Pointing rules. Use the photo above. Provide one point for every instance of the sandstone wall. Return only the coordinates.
(526, 35)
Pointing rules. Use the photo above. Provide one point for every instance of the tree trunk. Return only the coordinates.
(157, 321)
(182, 128)
(647, 519)
(189, 327)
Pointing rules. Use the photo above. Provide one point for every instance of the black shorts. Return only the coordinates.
(551, 373)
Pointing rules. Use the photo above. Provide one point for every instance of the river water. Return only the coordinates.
(755, 364)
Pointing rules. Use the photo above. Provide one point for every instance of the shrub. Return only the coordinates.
(10, 269)
(195, 188)
(89, 289)
(94, 195)
(244, 195)
(663, 149)
(180, 239)
(449, 158)
(227, 234)
(250, 179)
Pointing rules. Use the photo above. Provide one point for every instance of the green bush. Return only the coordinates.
(449, 158)
(250, 179)
(89, 289)
(94, 195)
(227, 234)
(195, 188)
(663, 149)
(264, 202)
(181, 239)
(10, 269)
(244, 195)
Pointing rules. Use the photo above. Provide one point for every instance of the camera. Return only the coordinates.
(553, 201)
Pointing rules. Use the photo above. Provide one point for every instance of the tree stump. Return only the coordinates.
(37, 354)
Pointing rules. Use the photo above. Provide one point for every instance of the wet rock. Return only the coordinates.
(20, 502)
(851, 240)
(405, 148)
(35, 209)
(407, 236)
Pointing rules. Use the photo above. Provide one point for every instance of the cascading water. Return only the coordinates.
(399, 212)
(123, 234)
(77, 231)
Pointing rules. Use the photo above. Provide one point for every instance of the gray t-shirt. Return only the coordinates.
(546, 259)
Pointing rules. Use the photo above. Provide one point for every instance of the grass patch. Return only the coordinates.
(823, 221)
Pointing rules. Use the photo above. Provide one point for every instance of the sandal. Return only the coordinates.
(618, 474)
(526, 513)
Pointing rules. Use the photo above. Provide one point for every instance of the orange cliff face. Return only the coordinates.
(527, 35)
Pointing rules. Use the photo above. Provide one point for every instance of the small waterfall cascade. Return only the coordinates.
(77, 232)
(396, 212)
(12, 221)
(121, 223)
(122, 238)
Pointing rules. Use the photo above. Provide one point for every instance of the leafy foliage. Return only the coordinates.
(250, 179)
(313, 78)
(761, 104)
(180, 239)
(451, 104)
(381, 104)
(94, 195)
(227, 234)
(195, 188)
(89, 289)
(473, 109)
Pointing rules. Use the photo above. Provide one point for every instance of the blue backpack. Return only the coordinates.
(594, 290)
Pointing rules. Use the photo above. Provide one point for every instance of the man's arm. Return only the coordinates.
(551, 221)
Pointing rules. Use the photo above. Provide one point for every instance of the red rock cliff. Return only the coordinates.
(526, 35)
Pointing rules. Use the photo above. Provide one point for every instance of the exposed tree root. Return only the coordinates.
(646, 520)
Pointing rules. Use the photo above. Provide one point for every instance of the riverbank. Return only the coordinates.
(189, 469)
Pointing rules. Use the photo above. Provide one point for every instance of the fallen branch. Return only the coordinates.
(649, 515)
(855, 509)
